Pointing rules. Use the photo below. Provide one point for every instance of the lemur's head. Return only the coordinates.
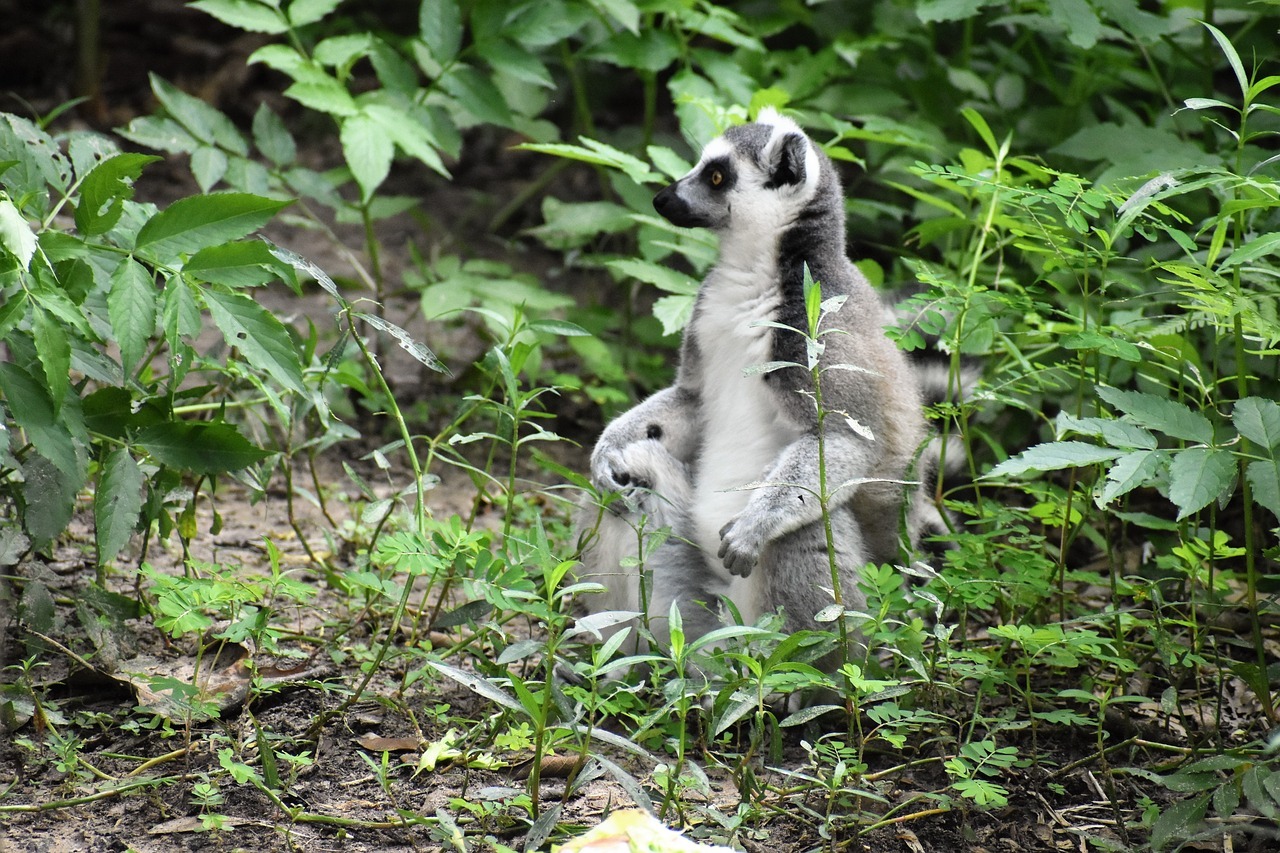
(765, 172)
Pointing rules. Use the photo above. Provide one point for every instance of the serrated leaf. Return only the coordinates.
(1054, 456)
(368, 150)
(200, 447)
(197, 222)
(240, 264)
(673, 312)
(202, 120)
(1179, 821)
(208, 166)
(1132, 471)
(30, 407)
(117, 503)
(1157, 413)
(54, 349)
(1264, 481)
(131, 307)
(15, 234)
(600, 154)
(477, 94)
(1114, 432)
(50, 496)
(105, 189)
(246, 15)
(660, 276)
(1258, 420)
(440, 24)
(258, 334)
(272, 138)
(411, 135)
(1198, 476)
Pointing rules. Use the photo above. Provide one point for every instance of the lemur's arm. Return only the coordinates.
(788, 498)
(669, 416)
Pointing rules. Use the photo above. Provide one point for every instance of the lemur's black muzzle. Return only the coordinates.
(676, 210)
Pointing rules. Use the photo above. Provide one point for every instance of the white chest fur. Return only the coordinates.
(744, 429)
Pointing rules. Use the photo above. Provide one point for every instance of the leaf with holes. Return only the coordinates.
(258, 334)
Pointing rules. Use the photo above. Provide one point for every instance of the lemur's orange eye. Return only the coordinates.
(717, 178)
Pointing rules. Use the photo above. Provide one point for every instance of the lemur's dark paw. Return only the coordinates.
(739, 556)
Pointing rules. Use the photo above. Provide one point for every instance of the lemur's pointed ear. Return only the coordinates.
(786, 160)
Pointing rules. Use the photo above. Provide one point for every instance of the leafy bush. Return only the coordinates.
(1083, 199)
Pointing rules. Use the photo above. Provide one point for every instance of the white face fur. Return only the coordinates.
(749, 183)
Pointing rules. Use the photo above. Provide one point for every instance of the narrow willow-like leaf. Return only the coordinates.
(203, 448)
(406, 342)
(479, 686)
(1054, 456)
(117, 503)
(197, 222)
(259, 335)
(1198, 476)
(131, 307)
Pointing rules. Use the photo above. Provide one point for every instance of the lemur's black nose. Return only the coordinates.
(667, 203)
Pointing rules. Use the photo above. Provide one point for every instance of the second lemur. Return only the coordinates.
(727, 457)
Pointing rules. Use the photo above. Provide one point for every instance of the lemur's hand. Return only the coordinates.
(740, 547)
(635, 471)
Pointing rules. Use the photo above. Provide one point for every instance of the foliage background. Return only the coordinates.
(1081, 195)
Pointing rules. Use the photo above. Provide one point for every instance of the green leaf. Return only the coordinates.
(477, 94)
(272, 138)
(15, 234)
(661, 277)
(600, 154)
(1054, 456)
(424, 356)
(440, 23)
(1258, 420)
(479, 686)
(930, 11)
(247, 15)
(1199, 475)
(257, 333)
(1157, 413)
(1179, 821)
(673, 312)
(303, 12)
(50, 495)
(117, 503)
(1264, 481)
(1256, 248)
(1079, 19)
(54, 350)
(1232, 56)
(131, 307)
(208, 166)
(202, 120)
(508, 58)
(197, 222)
(1132, 471)
(322, 93)
(105, 189)
(241, 264)
(199, 447)
(368, 150)
(411, 135)
(30, 407)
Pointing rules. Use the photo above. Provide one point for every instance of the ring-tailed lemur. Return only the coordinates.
(727, 457)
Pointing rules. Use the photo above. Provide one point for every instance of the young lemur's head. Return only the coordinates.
(755, 177)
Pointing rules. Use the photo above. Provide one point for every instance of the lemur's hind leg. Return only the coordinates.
(636, 542)
(796, 571)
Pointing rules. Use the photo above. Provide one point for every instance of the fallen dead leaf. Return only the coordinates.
(377, 743)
